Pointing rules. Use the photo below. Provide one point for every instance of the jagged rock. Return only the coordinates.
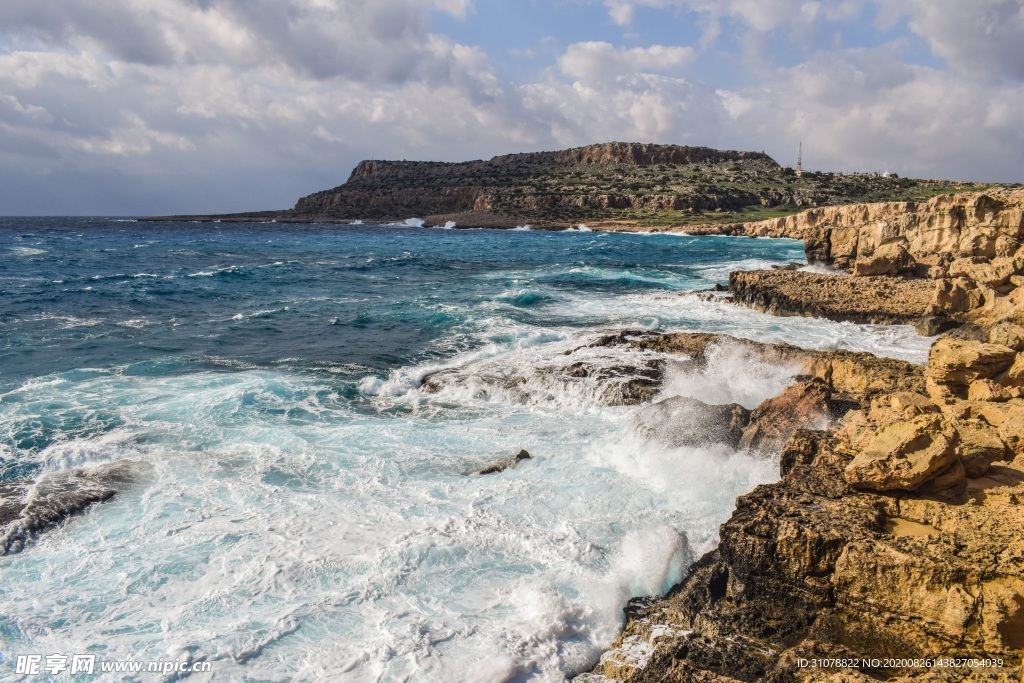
(900, 405)
(888, 259)
(1014, 376)
(31, 508)
(988, 390)
(804, 405)
(978, 439)
(1011, 427)
(957, 296)
(882, 300)
(684, 421)
(983, 271)
(505, 464)
(960, 362)
(903, 455)
(1007, 334)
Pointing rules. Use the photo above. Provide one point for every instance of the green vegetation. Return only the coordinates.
(648, 185)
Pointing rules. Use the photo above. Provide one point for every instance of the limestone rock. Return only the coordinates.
(957, 296)
(881, 299)
(979, 439)
(804, 405)
(1014, 376)
(988, 390)
(684, 421)
(888, 259)
(955, 361)
(904, 455)
(1007, 334)
(990, 273)
(29, 509)
(1011, 429)
(901, 405)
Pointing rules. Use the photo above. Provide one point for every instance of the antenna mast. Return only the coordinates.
(800, 158)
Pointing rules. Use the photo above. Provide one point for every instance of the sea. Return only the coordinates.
(304, 507)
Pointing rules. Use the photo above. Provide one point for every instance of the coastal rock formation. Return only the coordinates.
(879, 299)
(616, 185)
(31, 508)
(887, 543)
(952, 259)
(506, 463)
(804, 405)
(684, 421)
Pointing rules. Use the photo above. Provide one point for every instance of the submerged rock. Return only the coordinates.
(683, 421)
(31, 508)
(505, 464)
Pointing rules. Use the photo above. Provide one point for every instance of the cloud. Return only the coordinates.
(594, 61)
(221, 105)
(983, 37)
(379, 40)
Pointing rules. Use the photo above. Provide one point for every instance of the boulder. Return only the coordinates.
(1007, 334)
(1014, 376)
(888, 259)
(987, 390)
(988, 273)
(804, 405)
(978, 439)
(960, 362)
(901, 405)
(504, 464)
(904, 455)
(957, 296)
(684, 421)
(1011, 428)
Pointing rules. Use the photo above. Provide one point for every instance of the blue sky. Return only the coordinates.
(123, 107)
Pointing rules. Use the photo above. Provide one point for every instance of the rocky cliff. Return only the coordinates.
(616, 184)
(891, 547)
(936, 264)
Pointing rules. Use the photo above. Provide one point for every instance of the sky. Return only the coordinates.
(140, 107)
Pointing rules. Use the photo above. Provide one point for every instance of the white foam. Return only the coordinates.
(414, 222)
(27, 251)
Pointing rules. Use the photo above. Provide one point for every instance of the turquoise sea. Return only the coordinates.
(301, 508)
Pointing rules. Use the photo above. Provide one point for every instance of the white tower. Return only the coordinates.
(800, 158)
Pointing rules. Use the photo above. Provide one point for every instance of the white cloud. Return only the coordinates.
(983, 37)
(594, 61)
(217, 105)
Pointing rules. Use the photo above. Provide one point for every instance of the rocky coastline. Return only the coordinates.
(611, 186)
(891, 547)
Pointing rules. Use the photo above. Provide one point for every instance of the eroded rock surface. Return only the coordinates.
(880, 300)
(898, 535)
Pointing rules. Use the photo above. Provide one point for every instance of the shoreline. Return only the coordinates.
(892, 538)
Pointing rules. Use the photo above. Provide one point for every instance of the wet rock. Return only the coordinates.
(505, 464)
(31, 508)
(804, 405)
(883, 300)
(904, 455)
(683, 421)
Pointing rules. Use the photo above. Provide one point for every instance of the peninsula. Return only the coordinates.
(616, 186)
